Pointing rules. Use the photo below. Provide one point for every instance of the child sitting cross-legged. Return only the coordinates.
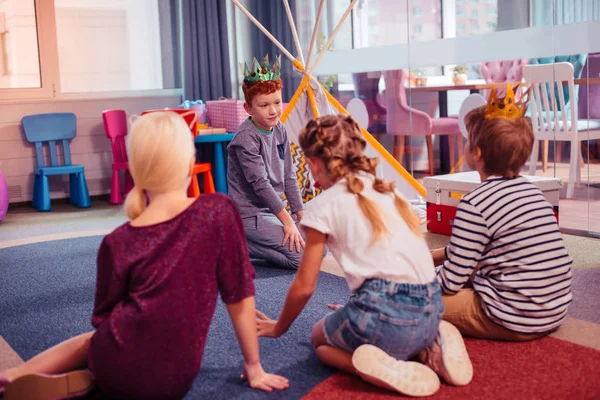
(506, 273)
(158, 279)
(396, 306)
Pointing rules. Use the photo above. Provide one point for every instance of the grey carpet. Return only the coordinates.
(47, 296)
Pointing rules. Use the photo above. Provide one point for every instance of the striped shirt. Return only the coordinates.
(506, 231)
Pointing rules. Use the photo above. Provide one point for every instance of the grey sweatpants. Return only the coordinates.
(265, 235)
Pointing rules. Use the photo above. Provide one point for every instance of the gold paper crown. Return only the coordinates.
(509, 108)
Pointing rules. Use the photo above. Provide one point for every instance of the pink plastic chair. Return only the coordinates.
(403, 120)
(115, 126)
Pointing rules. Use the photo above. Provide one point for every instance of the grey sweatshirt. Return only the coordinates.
(260, 171)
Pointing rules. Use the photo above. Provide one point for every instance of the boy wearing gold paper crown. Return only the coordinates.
(506, 273)
(261, 174)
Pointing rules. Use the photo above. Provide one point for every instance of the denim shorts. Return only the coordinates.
(399, 318)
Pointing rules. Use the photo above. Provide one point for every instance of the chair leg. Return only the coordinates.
(82, 192)
(534, 157)
(399, 148)
(115, 188)
(461, 150)
(44, 194)
(209, 184)
(452, 150)
(194, 188)
(429, 140)
(574, 170)
(73, 189)
(36, 191)
(545, 155)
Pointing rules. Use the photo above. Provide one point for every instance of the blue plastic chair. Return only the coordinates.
(53, 128)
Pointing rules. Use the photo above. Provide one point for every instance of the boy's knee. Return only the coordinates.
(293, 258)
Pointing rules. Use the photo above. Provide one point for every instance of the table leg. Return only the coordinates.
(219, 173)
(443, 104)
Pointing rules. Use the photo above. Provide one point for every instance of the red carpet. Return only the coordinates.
(544, 369)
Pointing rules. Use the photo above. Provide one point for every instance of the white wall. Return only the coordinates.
(91, 148)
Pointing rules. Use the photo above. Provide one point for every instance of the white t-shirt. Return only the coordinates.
(399, 256)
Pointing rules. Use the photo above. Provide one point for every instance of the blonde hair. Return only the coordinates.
(160, 148)
(337, 141)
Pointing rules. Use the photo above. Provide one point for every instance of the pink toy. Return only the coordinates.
(3, 197)
(226, 113)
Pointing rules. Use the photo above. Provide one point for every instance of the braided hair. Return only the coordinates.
(337, 141)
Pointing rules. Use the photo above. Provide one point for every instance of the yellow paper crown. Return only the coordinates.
(510, 108)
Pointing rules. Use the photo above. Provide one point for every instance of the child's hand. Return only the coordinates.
(258, 379)
(293, 235)
(335, 307)
(438, 255)
(266, 326)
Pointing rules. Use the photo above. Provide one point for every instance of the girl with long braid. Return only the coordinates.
(395, 311)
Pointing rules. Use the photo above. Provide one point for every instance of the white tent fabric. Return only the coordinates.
(297, 119)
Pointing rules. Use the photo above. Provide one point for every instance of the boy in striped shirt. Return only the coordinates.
(506, 273)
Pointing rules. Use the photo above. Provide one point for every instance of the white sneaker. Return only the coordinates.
(448, 356)
(407, 377)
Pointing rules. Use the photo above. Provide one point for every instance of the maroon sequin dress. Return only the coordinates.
(156, 293)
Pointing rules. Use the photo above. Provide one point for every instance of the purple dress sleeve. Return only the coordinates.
(110, 288)
(235, 273)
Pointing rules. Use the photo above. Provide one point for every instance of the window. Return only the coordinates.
(475, 27)
(115, 46)
(491, 26)
(492, 12)
(417, 29)
(417, 12)
(460, 28)
(474, 1)
(460, 12)
(19, 53)
(474, 14)
(87, 46)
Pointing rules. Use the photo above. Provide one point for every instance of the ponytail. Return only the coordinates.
(135, 203)
(403, 207)
(369, 208)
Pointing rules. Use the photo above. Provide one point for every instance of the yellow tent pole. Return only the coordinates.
(313, 101)
(294, 99)
(459, 164)
(385, 154)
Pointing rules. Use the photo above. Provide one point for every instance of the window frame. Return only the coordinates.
(50, 89)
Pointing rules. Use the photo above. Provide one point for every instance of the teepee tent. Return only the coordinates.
(312, 100)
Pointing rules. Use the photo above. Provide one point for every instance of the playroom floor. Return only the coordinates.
(24, 225)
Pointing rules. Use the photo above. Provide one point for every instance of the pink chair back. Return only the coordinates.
(502, 71)
(115, 127)
(402, 119)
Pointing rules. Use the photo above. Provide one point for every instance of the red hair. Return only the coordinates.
(260, 87)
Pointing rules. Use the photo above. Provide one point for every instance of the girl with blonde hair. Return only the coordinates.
(396, 306)
(158, 278)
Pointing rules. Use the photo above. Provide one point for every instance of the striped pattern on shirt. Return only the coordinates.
(507, 229)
